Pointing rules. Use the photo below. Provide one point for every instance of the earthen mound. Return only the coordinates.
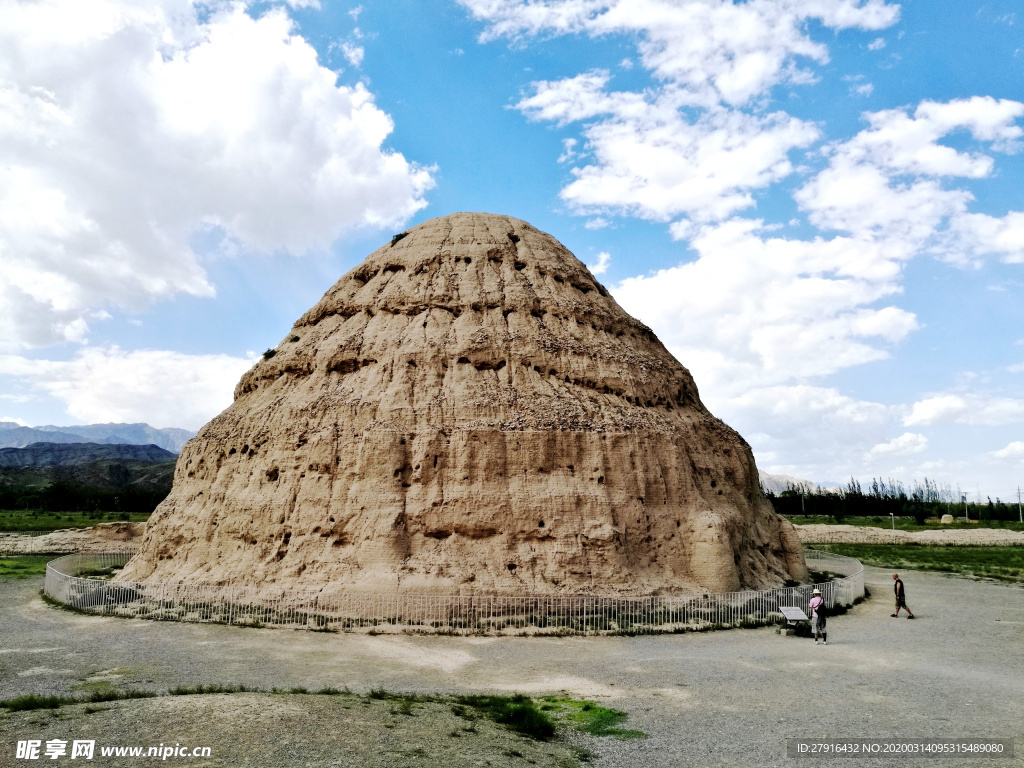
(469, 411)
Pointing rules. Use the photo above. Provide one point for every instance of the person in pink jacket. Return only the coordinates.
(818, 617)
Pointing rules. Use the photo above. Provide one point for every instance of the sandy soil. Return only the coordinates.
(716, 699)
(858, 534)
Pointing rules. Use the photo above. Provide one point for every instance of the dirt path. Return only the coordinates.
(719, 699)
(862, 534)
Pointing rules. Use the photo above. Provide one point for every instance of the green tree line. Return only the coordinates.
(884, 497)
(62, 496)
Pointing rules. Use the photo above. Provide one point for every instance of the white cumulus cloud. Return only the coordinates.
(715, 49)
(127, 128)
(906, 444)
(754, 310)
(1012, 451)
(156, 386)
(601, 265)
(686, 145)
(975, 408)
(887, 182)
(656, 164)
(805, 430)
(353, 53)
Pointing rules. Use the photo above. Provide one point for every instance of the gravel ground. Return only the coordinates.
(819, 533)
(726, 698)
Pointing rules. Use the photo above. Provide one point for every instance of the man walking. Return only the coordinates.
(901, 597)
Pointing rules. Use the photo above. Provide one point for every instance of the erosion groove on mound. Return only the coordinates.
(469, 411)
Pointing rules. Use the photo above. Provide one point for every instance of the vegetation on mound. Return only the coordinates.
(23, 566)
(1005, 563)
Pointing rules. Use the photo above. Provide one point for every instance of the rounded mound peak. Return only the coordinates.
(471, 261)
(469, 410)
(488, 292)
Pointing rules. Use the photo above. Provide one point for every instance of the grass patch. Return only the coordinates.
(93, 686)
(590, 718)
(583, 754)
(14, 520)
(405, 707)
(33, 701)
(334, 692)
(1004, 563)
(23, 566)
(198, 690)
(517, 712)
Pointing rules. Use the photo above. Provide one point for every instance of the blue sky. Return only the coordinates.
(815, 205)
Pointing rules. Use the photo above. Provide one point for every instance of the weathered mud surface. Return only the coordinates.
(468, 410)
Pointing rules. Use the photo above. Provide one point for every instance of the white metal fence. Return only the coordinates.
(78, 581)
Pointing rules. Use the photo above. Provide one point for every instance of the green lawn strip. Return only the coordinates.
(589, 717)
(14, 520)
(23, 566)
(1006, 563)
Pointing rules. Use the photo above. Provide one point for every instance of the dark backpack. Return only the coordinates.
(822, 610)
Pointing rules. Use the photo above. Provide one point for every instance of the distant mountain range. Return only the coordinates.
(75, 454)
(95, 467)
(779, 483)
(13, 435)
